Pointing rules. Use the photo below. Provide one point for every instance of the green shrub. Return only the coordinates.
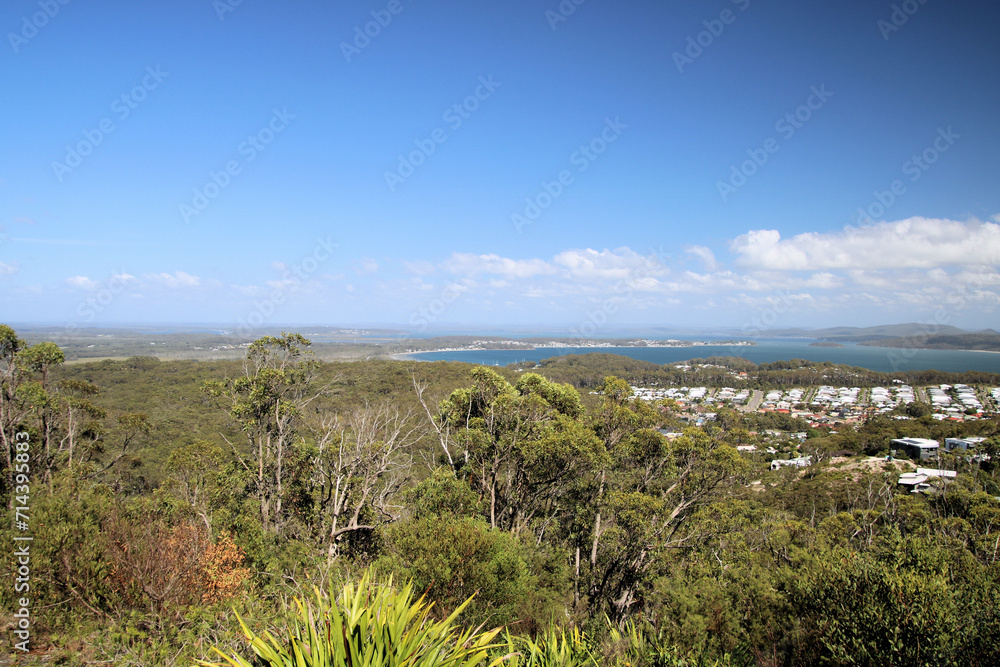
(370, 625)
(451, 558)
(551, 649)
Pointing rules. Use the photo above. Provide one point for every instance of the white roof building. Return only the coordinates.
(800, 462)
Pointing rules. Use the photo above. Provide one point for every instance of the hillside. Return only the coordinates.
(987, 342)
(860, 334)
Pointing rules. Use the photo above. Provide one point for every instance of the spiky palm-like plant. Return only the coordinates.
(552, 649)
(371, 625)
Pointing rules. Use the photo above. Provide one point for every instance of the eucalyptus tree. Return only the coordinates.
(359, 463)
(267, 402)
(641, 497)
(27, 400)
(82, 418)
(523, 447)
(40, 397)
(195, 477)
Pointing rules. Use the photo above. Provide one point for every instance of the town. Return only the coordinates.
(825, 409)
(832, 406)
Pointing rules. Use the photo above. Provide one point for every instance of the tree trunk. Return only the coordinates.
(597, 522)
(576, 578)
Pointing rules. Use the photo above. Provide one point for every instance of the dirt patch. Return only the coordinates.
(859, 466)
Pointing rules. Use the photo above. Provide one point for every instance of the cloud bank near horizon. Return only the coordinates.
(875, 273)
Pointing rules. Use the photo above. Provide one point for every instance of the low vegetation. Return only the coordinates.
(284, 511)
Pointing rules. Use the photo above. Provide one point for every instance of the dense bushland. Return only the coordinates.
(168, 497)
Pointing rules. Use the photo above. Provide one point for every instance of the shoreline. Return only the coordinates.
(950, 361)
(402, 356)
(931, 349)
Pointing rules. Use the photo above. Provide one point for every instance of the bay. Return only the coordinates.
(766, 350)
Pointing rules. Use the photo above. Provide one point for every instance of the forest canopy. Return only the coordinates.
(166, 497)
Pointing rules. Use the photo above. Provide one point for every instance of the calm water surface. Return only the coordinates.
(874, 358)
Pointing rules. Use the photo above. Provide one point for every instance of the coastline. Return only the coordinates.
(409, 356)
(932, 349)
(880, 359)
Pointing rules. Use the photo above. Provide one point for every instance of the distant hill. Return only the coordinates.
(867, 334)
(911, 335)
(987, 342)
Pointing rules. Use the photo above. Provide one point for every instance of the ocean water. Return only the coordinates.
(874, 358)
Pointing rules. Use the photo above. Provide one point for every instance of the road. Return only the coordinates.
(756, 398)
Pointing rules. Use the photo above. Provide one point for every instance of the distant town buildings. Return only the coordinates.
(828, 407)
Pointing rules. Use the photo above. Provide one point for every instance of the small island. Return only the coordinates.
(825, 343)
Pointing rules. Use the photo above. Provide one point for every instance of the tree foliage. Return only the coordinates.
(567, 516)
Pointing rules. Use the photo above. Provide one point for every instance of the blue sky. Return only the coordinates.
(576, 166)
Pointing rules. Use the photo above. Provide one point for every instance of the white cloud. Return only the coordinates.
(890, 269)
(779, 301)
(469, 264)
(824, 280)
(704, 254)
(117, 281)
(914, 243)
(718, 281)
(178, 279)
(581, 266)
(285, 284)
(619, 264)
(82, 282)
(8, 269)
(419, 267)
(645, 284)
(365, 265)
